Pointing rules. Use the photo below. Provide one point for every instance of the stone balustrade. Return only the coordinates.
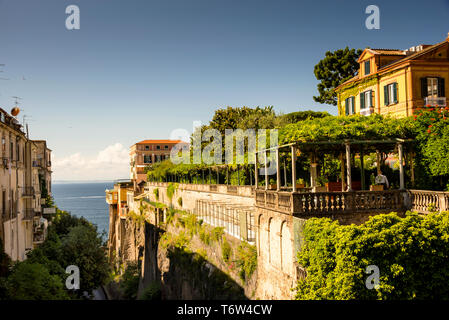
(312, 203)
(243, 191)
(424, 201)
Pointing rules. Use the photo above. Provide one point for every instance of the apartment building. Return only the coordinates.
(22, 226)
(147, 152)
(397, 82)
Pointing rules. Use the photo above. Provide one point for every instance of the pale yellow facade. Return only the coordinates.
(397, 82)
(22, 226)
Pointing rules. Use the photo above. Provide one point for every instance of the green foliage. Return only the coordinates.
(171, 189)
(217, 233)
(411, 254)
(226, 250)
(246, 260)
(180, 202)
(204, 235)
(83, 247)
(294, 117)
(152, 292)
(334, 69)
(129, 283)
(359, 127)
(156, 193)
(32, 281)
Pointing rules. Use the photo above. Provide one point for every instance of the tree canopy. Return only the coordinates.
(334, 69)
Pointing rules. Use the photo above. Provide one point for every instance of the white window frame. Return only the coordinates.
(432, 87)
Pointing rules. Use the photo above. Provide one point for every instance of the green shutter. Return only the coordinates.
(386, 101)
(371, 98)
(423, 87)
(353, 105)
(362, 100)
(395, 92)
(346, 106)
(441, 91)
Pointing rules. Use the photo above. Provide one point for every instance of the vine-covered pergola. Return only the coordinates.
(341, 148)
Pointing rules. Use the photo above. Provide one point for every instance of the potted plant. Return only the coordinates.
(273, 185)
(374, 186)
(300, 183)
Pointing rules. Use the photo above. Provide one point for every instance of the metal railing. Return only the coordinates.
(236, 220)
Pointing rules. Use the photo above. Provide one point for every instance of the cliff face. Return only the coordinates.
(196, 272)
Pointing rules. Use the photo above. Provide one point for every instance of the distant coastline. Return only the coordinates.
(81, 181)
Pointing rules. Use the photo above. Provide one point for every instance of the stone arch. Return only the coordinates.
(281, 254)
(269, 222)
(259, 230)
(287, 257)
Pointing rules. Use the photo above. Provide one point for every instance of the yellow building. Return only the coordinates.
(396, 82)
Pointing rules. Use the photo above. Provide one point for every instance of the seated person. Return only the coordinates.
(382, 180)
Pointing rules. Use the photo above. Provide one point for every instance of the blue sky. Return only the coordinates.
(139, 69)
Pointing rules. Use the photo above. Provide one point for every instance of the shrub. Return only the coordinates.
(411, 254)
(130, 281)
(226, 250)
(180, 202)
(156, 193)
(152, 292)
(246, 260)
(217, 233)
(204, 235)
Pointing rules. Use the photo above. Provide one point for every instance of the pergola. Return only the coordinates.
(338, 146)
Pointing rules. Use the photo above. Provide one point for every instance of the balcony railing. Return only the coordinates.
(27, 191)
(28, 214)
(440, 101)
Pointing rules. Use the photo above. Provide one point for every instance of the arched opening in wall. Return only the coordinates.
(269, 238)
(280, 244)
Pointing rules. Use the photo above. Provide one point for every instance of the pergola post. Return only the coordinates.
(342, 172)
(401, 166)
(278, 169)
(362, 167)
(378, 159)
(313, 171)
(266, 170)
(285, 173)
(238, 175)
(256, 174)
(294, 168)
(348, 165)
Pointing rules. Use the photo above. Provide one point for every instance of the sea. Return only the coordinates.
(84, 199)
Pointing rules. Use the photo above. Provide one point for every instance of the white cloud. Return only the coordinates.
(110, 163)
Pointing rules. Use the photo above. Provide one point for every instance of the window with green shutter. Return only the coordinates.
(353, 105)
(362, 100)
(386, 100)
(395, 92)
(367, 67)
(347, 106)
(441, 91)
